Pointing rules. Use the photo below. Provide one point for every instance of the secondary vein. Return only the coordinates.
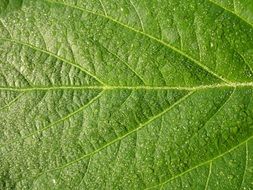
(233, 13)
(58, 121)
(141, 125)
(147, 35)
(54, 55)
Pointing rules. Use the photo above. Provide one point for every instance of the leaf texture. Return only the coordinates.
(126, 94)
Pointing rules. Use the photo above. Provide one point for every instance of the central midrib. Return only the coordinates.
(190, 88)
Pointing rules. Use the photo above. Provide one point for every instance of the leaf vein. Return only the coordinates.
(148, 36)
(246, 163)
(53, 55)
(141, 126)
(209, 175)
(233, 13)
(202, 164)
(58, 121)
(12, 101)
(200, 87)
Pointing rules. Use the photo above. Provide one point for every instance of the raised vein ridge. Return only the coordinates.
(193, 88)
(149, 36)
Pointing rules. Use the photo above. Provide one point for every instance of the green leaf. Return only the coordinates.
(126, 94)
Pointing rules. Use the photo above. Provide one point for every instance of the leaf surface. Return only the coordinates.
(126, 94)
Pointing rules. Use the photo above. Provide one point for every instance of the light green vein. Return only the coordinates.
(103, 7)
(147, 35)
(209, 175)
(141, 125)
(54, 55)
(124, 62)
(200, 87)
(12, 101)
(202, 164)
(246, 164)
(233, 13)
(56, 122)
(138, 15)
(221, 106)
